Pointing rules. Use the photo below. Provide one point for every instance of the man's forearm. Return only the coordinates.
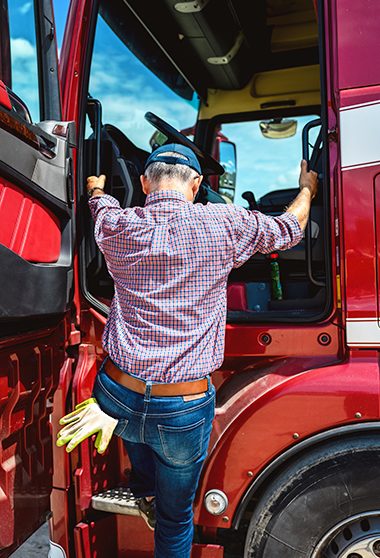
(300, 207)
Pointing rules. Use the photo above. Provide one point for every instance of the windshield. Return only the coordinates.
(127, 89)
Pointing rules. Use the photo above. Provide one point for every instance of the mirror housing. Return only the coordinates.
(278, 128)
(227, 158)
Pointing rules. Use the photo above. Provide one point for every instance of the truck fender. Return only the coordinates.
(271, 414)
(298, 450)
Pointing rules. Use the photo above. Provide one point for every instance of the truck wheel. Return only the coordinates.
(326, 504)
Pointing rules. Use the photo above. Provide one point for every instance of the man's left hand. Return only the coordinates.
(95, 185)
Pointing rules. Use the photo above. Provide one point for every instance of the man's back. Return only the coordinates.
(170, 262)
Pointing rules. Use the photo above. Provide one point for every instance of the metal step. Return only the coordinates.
(116, 500)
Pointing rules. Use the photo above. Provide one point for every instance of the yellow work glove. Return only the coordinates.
(86, 420)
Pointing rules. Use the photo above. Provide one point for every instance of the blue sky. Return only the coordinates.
(264, 164)
(23, 54)
(23, 49)
(60, 13)
(127, 90)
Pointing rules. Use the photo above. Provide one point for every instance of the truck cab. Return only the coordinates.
(293, 461)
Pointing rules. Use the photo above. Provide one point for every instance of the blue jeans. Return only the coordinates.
(166, 439)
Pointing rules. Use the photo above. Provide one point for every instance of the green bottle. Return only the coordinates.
(275, 276)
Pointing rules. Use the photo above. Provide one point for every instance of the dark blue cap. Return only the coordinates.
(186, 156)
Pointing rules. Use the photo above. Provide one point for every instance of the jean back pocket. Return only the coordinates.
(182, 445)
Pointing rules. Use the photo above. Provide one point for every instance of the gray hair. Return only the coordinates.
(157, 172)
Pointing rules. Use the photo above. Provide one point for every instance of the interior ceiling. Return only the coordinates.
(215, 44)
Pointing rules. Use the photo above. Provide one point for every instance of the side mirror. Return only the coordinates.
(227, 158)
(278, 128)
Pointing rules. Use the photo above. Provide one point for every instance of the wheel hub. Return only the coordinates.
(356, 537)
(367, 548)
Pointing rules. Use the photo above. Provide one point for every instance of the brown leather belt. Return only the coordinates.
(158, 390)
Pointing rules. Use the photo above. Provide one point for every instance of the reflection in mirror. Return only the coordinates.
(227, 181)
(278, 128)
(157, 139)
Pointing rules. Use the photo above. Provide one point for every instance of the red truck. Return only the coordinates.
(294, 460)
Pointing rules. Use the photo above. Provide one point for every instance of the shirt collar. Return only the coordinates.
(163, 195)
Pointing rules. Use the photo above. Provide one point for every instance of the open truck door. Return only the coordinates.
(36, 238)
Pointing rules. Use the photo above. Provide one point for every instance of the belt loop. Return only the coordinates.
(148, 389)
(208, 382)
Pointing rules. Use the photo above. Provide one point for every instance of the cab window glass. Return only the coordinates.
(23, 55)
(266, 160)
(127, 90)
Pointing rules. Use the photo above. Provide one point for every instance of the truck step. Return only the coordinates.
(116, 500)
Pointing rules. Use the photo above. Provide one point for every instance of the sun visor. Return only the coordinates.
(286, 82)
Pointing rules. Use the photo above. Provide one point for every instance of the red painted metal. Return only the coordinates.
(134, 539)
(243, 341)
(82, 540)
(27, 227)
(4, 97)
(357, 35)
(62, 473)
(207, 551)
(61, 520)
(94, 472)
(262, 410)
(96, 538)
(29, 374)
(360, 257)
(236, 296)
(71, 71)
(359, 96)
(270, 387)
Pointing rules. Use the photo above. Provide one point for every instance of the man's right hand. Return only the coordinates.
(300, 207)
(87, 419)
(308, 179)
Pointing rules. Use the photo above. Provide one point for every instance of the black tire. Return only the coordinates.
(316, 492)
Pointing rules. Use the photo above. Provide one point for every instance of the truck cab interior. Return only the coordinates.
(244, 83)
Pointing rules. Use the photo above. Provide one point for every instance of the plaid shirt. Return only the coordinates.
(170, 262)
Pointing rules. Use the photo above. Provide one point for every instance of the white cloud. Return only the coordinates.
(25, 74)
(21, 48)
(127, 92)
(24, 9)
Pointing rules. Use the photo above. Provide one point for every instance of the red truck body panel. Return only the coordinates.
(280, 384)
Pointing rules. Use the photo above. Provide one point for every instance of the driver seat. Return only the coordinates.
(122, 163)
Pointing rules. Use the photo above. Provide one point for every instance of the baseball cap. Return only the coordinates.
(186, 156)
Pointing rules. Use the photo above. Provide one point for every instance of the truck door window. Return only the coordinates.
(267, 167)
(263, 164)
(118, 139)
(23, 75)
